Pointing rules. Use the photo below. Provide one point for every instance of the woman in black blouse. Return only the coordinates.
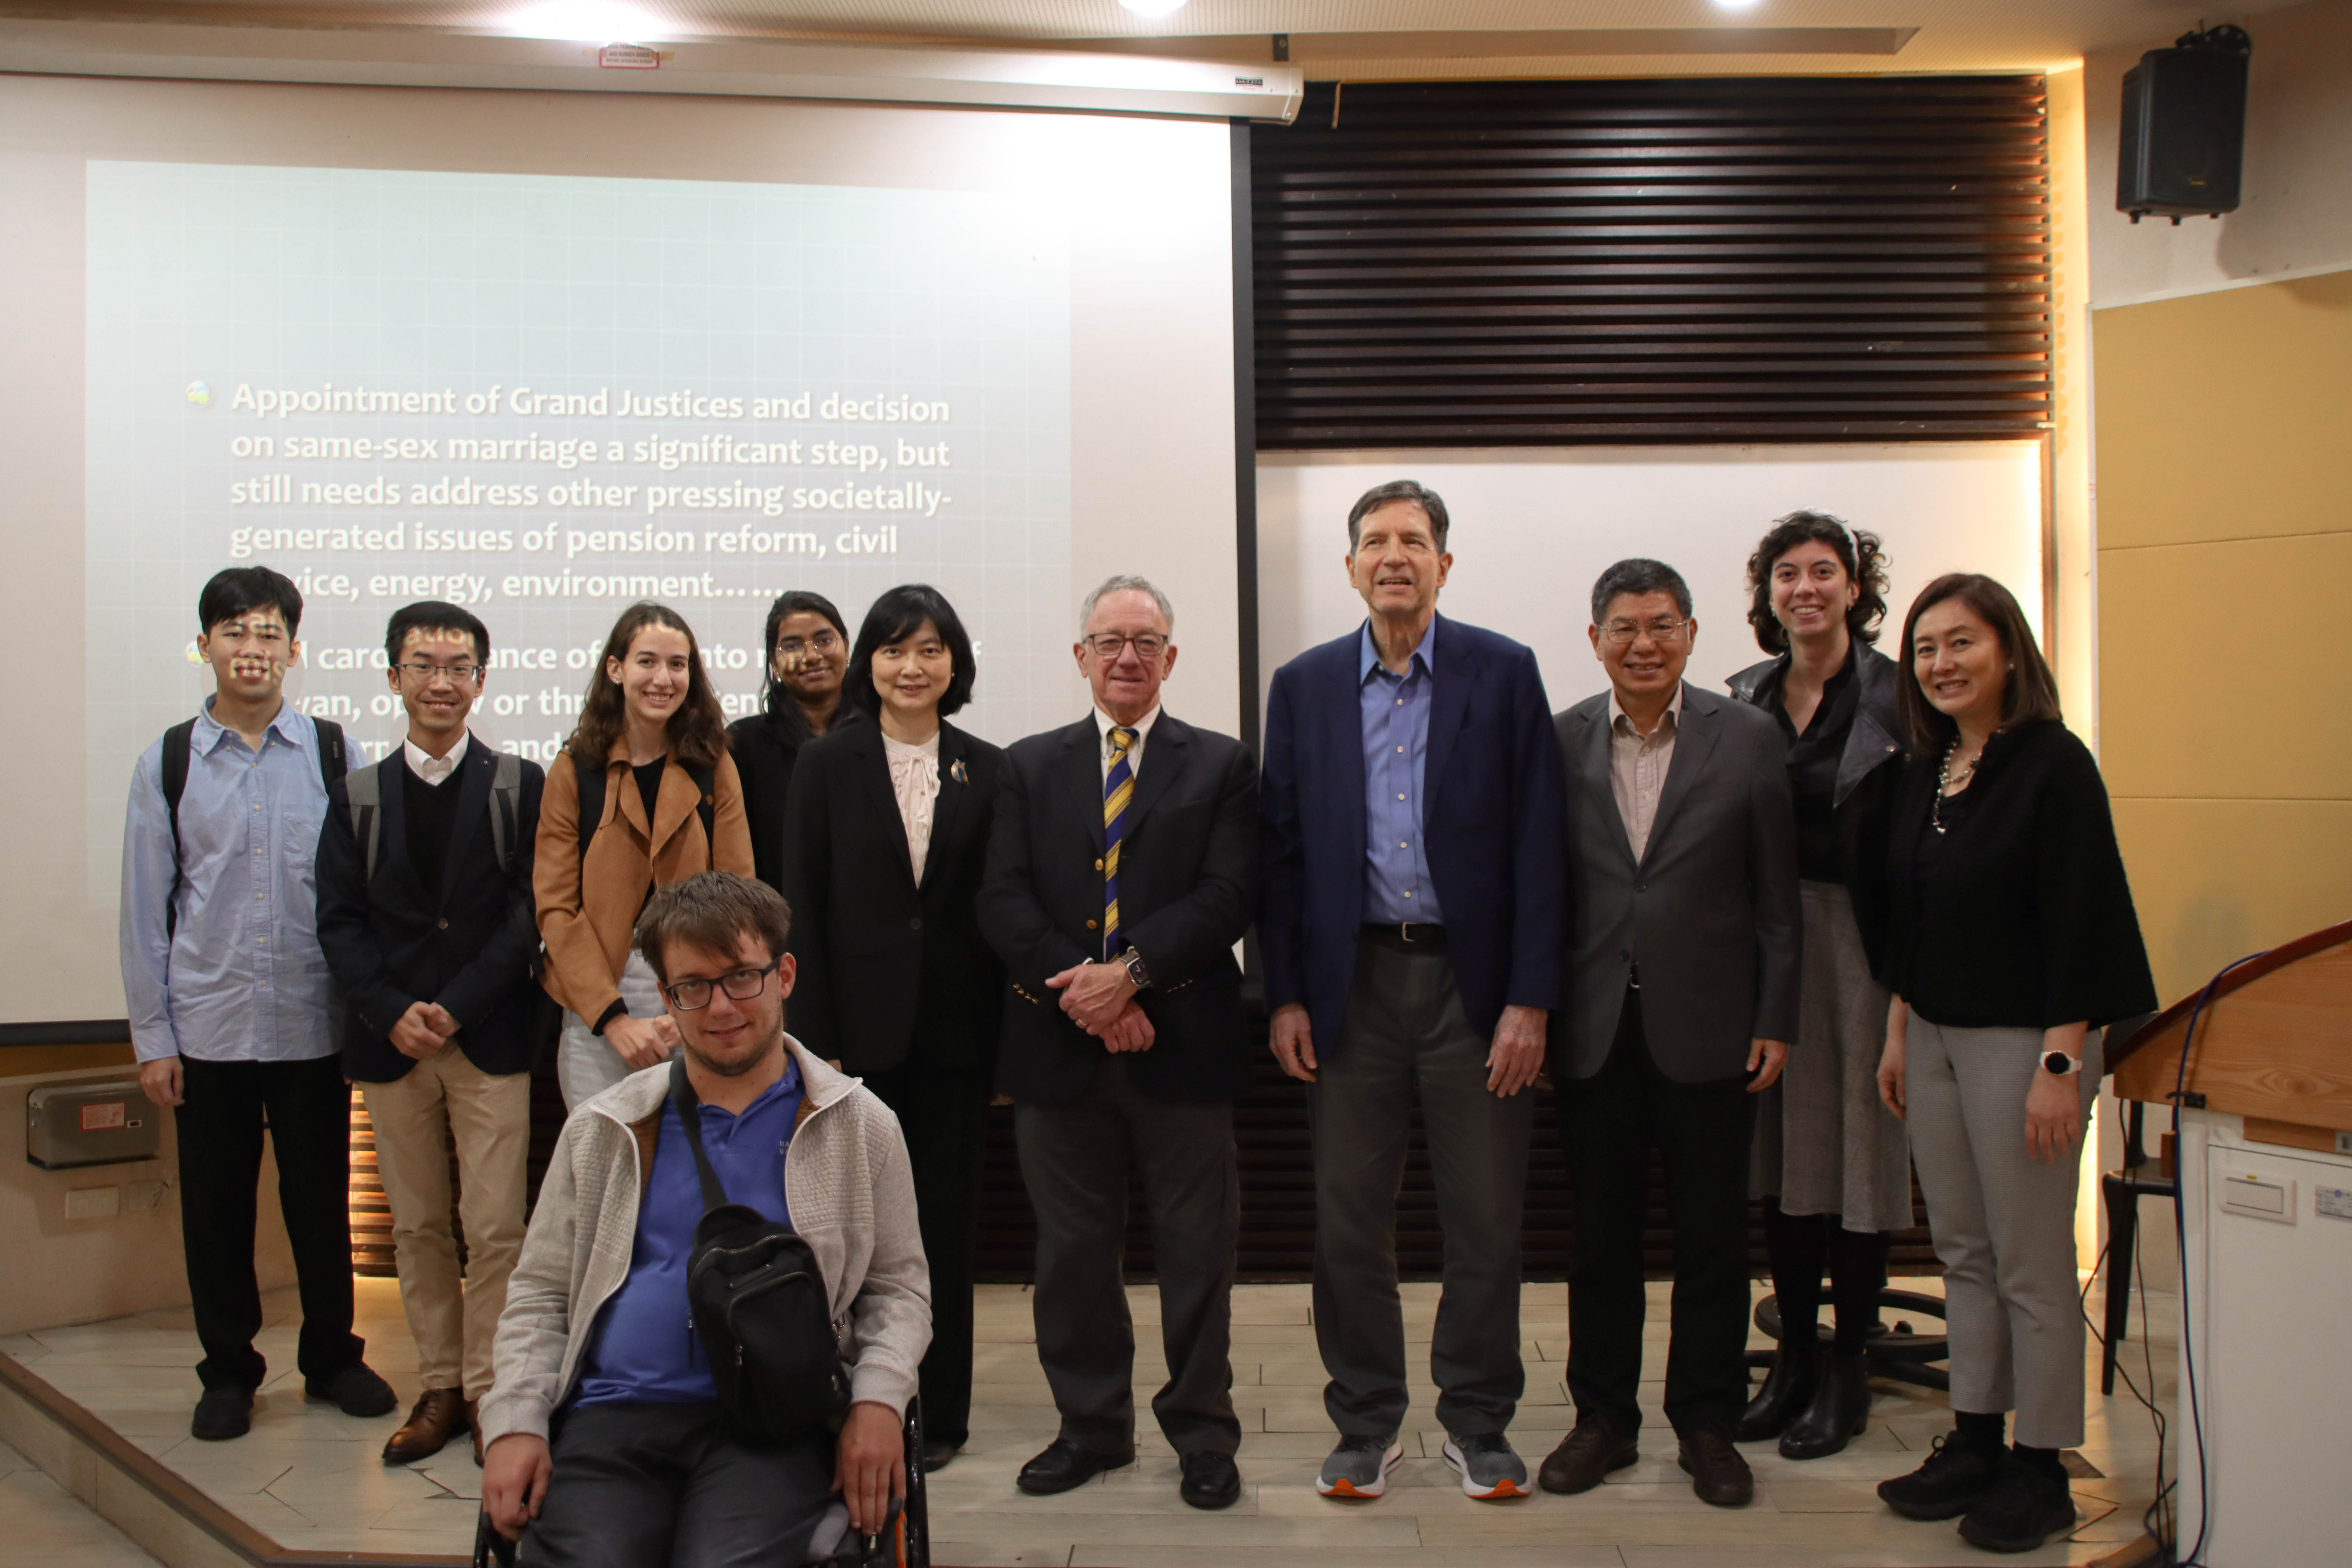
(886, 837)
(2011, 941)
(808, 648)
(1831, 1163)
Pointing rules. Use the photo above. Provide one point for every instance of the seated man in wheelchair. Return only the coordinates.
(606, 1440)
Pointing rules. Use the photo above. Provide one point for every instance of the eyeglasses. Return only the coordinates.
(1108, 646)
(742, 985)
(1623, 633)
(460, 673)
(793, 647)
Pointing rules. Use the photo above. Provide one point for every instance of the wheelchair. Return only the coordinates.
(905, 1541)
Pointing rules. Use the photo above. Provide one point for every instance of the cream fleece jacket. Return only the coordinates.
(852, 1195)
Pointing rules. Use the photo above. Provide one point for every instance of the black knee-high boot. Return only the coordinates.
(1798, 1248)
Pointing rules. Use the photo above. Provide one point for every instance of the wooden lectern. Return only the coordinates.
(2273, 1045)
(2265, 1160)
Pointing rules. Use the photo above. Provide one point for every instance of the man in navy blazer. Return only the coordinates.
(1412, 929)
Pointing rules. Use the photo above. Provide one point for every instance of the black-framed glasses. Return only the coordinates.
(692, 996)
(457, 672)
(1621, 633)
(1108, 646)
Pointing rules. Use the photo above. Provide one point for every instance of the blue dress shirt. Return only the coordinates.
(1397, 885)
(241, 977)
(644, 1350)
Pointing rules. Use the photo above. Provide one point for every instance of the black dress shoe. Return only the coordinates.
(1585, 1455)
(1067, 1463)
(939, 1452)
(1839, 1413)
(1719, 1474)
(355, 1391)
(223, 1413)
(1788, 1389)
(1211, 1480)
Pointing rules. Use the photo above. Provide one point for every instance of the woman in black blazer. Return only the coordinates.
(808, 649)
(886, 836)
(2010, 942)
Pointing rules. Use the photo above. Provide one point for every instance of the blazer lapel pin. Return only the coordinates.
(959, 773)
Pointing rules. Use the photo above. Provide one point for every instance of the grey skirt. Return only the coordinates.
(1824, 1144)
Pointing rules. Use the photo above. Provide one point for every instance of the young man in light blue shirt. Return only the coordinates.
(228, 999)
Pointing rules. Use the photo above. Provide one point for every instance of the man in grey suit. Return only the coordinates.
(1682, 989)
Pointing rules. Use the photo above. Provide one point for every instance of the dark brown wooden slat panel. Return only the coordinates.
(1522, 263)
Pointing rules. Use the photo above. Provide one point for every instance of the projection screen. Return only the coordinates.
(546, 354)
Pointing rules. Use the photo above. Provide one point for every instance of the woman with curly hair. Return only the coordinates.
(1830, 1162)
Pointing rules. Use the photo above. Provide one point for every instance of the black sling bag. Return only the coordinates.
(761, 1309)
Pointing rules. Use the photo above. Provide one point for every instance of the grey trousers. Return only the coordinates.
(2003, 1224)
(1404, 1032)
(638, 1486)
(1073, 1160)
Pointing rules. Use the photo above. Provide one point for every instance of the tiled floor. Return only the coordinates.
(48, 1528)
(311, 1476)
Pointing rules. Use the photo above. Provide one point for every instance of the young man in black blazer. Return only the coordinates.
(424, 914)
(1122, 871)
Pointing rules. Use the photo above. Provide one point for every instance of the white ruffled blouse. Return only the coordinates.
(914, 780)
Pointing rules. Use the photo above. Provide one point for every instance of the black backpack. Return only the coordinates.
(179, 741)
(761, 1309)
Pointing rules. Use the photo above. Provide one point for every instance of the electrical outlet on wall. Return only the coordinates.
(93, 1203)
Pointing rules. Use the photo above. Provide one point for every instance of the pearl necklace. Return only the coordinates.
(1944, 781)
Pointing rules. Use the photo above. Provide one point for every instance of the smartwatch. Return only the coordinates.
(1133, 960)
(2058, 1064)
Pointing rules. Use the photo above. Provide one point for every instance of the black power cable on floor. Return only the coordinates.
(2180, 1241)
(2154, 1520)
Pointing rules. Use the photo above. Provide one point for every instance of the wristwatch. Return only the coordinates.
(1133, 960)
(2058, 1064)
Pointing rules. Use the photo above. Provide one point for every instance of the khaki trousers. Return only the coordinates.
(414, 1117)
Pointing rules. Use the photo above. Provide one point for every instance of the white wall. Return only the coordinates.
(1533, 529)
(2295, 210)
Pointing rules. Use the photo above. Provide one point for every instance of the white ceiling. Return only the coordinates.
(1443, 37)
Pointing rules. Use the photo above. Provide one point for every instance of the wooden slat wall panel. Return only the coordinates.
(1752, 259)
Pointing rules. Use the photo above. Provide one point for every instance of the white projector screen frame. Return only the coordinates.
(1151, 385)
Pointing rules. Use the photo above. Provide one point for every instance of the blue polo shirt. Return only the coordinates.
(644, 1350)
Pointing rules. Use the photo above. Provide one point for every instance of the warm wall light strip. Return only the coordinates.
(737, 67)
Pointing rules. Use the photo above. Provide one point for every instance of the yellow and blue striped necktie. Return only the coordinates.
(1119, 788)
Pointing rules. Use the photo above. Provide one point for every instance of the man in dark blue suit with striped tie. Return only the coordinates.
(1122, 869)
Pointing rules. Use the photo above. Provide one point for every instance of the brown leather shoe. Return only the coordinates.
(440, 1413)
(1585, 1455)
(1719, 1475)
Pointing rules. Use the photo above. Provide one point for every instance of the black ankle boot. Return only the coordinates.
(1840, 1410)
(1788, 1389)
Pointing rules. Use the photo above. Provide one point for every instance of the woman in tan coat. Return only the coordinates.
(663, 803)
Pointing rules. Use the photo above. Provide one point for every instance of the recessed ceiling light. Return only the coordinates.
(1153, 7)
(587, 21)
(1736, 5)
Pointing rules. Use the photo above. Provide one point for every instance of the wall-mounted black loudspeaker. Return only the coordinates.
(2184, 127)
